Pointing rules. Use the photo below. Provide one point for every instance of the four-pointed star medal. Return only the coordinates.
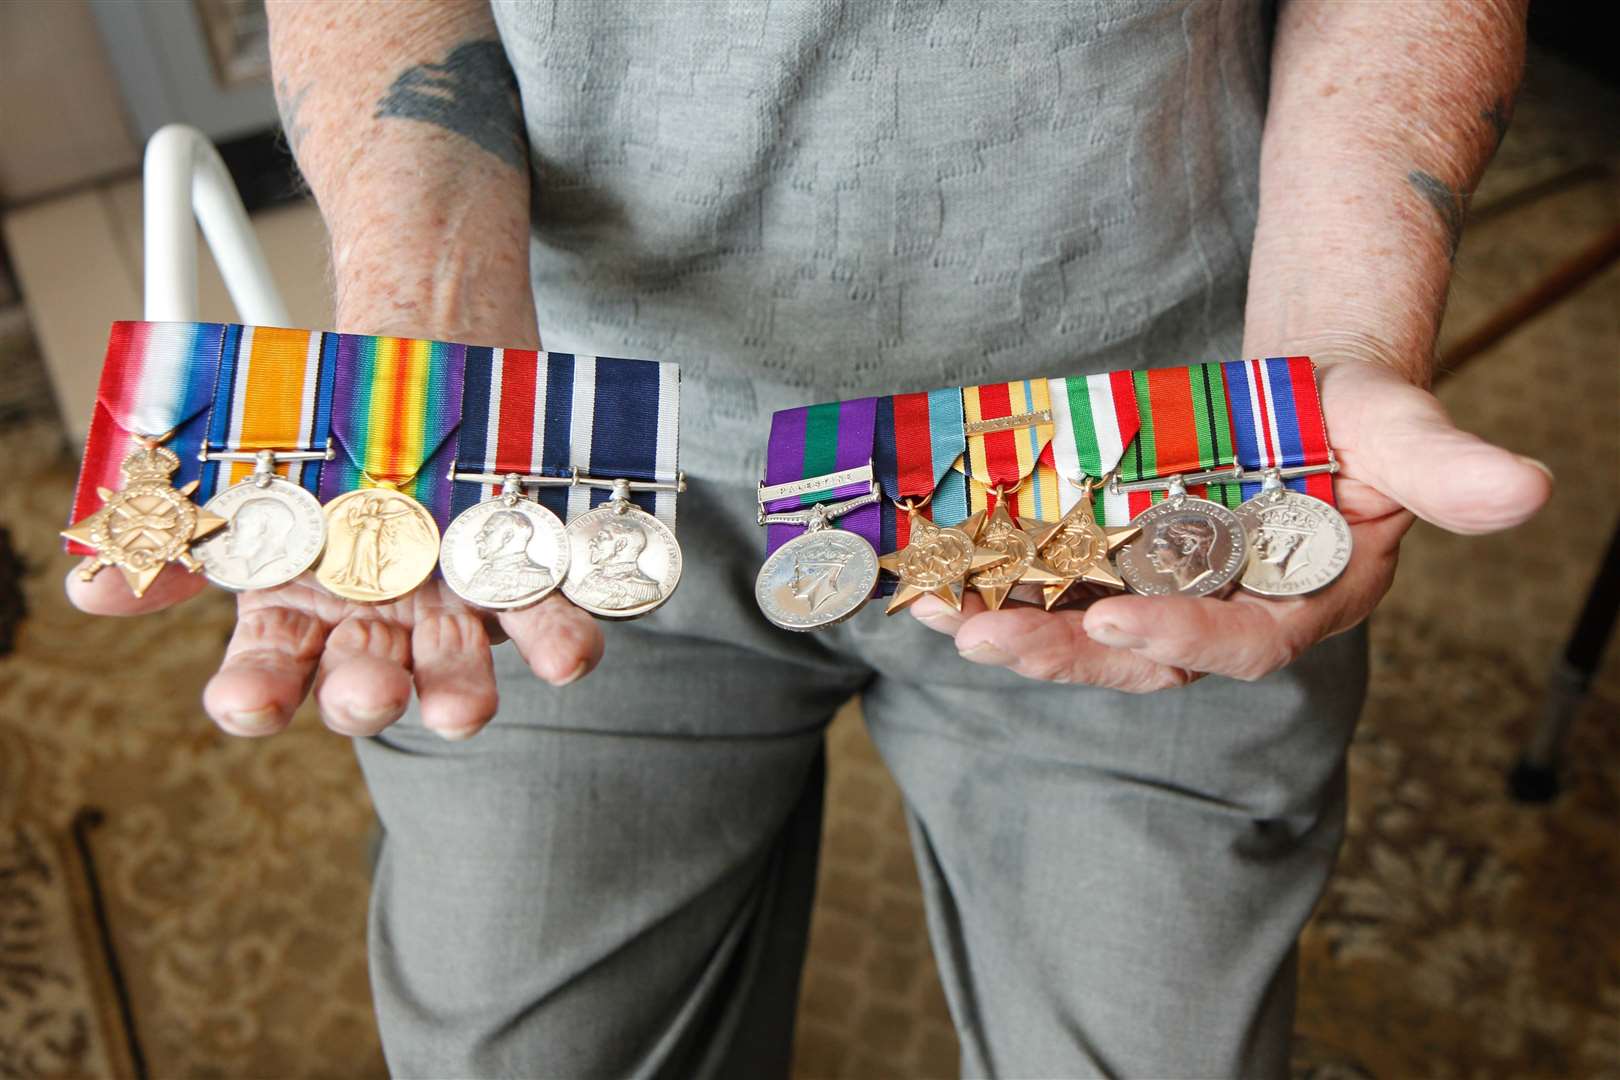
(998, 532)
(146, 525)
(1077, 548)
(935, 563)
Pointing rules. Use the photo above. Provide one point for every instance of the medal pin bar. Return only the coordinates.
(276, 528)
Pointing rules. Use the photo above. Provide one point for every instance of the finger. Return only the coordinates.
(936, 614)
(559, 642)
(1404, 444)
(455, 674)
(109, 594)
(1246, 637)
(362, 685)
(266, 671)
(1053, 646)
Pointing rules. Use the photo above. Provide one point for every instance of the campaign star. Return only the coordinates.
(147, 524)
(1078, 548)
(935, 563)
(998, 532)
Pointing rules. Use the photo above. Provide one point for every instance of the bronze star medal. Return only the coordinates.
(936, 562)
(146, 525)
(999, 533)
(1077, 548)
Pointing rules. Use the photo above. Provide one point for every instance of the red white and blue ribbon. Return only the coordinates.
(1277, 421)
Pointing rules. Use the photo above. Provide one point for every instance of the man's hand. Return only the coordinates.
(1400, 456)
(362, 659)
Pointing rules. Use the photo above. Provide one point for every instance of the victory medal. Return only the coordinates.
(381, 545)
(147, 524)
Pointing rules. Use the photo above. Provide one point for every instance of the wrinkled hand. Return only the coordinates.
(1400, 456)
(362, 659)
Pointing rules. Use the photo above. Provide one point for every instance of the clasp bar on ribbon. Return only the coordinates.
(810, 485)
(265, 461)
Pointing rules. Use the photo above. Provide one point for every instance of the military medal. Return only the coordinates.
(1189, 545)
(147, 524)
(506, 550)
(395, 402)
(1007, 426)
(603, 458)
(1300, 542)
(1094, 419)
(818, 470)
(272, 411)
(919, 438)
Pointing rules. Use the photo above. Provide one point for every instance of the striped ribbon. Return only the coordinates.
(546, 414)
(395, 404)
(1277, 420)
(1185, 428)
(919, 438)
(274, 392)
(1094, 419)
(1003, 458)
(817, 440)
(157, 379)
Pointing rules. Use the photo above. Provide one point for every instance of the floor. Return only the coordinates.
(1465, 935)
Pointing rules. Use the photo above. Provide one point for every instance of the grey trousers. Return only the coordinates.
(615, 878)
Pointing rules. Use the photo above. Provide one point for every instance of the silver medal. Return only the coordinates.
(503, 553)
(276, 532)
(817, 579)
(622, 561)
(1298, 544)
(1188, 547)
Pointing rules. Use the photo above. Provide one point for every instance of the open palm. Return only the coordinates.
(1400, 457)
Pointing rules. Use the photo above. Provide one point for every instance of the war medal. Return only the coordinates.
(147, 524)
(276, 530)
(1300, 542)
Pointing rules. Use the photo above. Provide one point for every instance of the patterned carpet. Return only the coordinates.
(1464, 936)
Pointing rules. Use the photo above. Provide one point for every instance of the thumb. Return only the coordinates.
(1408, 448)
(108, 594)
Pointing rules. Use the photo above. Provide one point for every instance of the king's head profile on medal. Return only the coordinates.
(147, 524)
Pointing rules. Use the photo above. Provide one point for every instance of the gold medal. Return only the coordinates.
(1078, 548)
(380, 545)
(936, 562)
(998, 533)
(146, 525)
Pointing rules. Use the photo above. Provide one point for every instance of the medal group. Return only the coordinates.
(375, 461)
(1187, 481)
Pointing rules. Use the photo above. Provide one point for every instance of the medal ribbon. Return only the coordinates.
(919, 438)
(273, 392)
(1094, 419)
(1277, 420)
(1185, 428)
(1004, 457)
(817, 440)
(547, 414)
(395, 401)
(156, 381)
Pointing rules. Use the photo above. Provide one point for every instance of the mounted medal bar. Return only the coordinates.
(1175, 481)
(349, 455)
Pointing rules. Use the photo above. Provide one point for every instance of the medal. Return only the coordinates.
(1094, 420)
(145, 525)
(505, 551)
(1189, 545)
(1300, 542)
(605, 442)
(919, 437)
(818, 469)
(272, 406)
(1007, 426)
(394, 403)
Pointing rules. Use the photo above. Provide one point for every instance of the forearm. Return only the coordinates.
(405, 122)
(1381, 119)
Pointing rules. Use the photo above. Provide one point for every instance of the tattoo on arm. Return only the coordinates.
(289, 104)
(1498, 115)
(1451, 205)
(473, 94)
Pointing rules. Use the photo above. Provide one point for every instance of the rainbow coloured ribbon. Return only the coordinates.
(1277, 421)
(274, 392)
